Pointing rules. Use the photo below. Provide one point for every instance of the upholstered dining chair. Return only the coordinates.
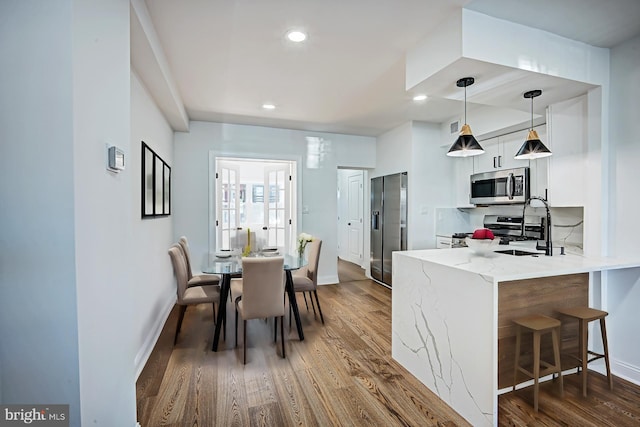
(190, 295)
(306, 278)
(262, 290)
(198, 279)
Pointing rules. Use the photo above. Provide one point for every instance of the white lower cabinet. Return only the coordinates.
(443, 242)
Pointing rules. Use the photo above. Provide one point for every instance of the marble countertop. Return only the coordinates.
(503, 267)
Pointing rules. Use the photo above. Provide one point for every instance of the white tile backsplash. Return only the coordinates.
(567, 222)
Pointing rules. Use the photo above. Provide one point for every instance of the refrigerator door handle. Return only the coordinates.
(374, 220)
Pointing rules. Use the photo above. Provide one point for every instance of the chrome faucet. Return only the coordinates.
(548, 248)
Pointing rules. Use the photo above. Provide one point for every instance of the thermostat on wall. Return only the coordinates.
(116, 158)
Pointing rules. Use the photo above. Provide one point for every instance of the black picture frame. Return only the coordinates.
(156, 184)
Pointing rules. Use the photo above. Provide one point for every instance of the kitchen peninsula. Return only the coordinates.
(452, 311)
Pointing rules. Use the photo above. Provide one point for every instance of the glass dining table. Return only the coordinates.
(232, 266)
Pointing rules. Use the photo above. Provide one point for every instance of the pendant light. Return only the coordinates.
(466, 144)
(532, 148)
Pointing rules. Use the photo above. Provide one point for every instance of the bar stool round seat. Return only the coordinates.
(584, 315)
(538, 325)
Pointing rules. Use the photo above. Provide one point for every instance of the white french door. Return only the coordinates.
(277, 209)
(255, 195)
(228, 215)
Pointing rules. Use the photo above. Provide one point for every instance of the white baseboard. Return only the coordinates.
(624, 370)
(152, 337)
(619, 369)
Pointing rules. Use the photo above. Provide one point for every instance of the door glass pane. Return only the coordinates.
(232, 188)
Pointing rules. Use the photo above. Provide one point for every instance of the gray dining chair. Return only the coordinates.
(190, 295)
(262, 290)
(197, 279)
(305, 280)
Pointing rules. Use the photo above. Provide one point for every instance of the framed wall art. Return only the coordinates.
(156, 184)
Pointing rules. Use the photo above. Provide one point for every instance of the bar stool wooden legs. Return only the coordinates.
(584, 316)
(538, 325)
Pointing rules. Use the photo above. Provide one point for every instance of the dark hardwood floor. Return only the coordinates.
(341, 374)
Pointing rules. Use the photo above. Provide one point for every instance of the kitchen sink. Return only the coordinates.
(516, 252)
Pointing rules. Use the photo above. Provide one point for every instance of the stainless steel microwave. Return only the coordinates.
(500, 187)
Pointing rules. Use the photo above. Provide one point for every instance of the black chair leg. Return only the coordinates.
(304, 294)
(183, 308)
(290, 315)
(224, 327)
(282, 335)
(319, 309)
(312, 304)
(244, 342)
(214, 313)
(236, 327)
(275, 330)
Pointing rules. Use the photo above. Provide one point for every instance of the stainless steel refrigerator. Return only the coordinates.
(388, 223)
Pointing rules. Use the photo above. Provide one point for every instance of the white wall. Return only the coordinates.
(66, 265)
(416, 148)
(393, 151)
(497, 41)
(154, 292)
(430, 184)
(623, 288)
(318, 179)
(38, 314)
(103, 211)
(625, 109)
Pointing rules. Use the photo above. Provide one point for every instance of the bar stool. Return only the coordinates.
(584, 316)
(538, 325)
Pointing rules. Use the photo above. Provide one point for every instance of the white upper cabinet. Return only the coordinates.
(567, 140)
(560, 178)
(499, 152)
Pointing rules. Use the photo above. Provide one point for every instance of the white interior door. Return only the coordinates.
(355, 200)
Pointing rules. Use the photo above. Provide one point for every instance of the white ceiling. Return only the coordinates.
(228, 57)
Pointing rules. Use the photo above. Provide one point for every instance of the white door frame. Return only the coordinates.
(295, 187)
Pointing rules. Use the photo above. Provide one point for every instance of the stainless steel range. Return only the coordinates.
(457, 240)
(508, 228)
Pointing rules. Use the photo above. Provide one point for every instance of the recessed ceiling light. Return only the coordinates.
(268, 106)
(296, 36)
(420, 97)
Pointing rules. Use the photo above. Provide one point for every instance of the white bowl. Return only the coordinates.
(482, 246)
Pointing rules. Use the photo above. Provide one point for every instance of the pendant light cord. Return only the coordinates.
(465, 105)
(532, 113)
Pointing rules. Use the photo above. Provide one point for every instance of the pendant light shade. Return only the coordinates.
(466, 144)
(532, 148)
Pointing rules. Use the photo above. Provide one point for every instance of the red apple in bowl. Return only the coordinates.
(483, 234)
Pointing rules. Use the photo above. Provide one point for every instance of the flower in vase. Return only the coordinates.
(303, 239)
